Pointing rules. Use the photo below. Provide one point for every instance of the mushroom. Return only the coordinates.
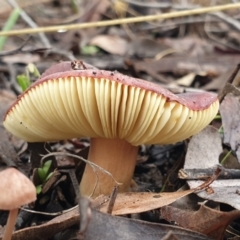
(117, 112)
(16, 190)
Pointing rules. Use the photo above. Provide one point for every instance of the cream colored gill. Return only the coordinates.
(27, 112)
(171, 123)
(175, 115)
(16, 127)
(61, 96)
(58, 106)
(107, 109)
(88, 98)
(68, 95)
(190, 122)
(54, 109)
(199, 121)
(204, 119)
(166, 114)
(138, 101)
(130, 109)
(142, 117)
(186, 132)
(115, 100)
(151, 130)
(50, 102)
(81, 121)
(150, 114)
(103, 102)
(55, 104)
(122, 109)
(208, 115)
(45, 97)
(177, 128)
(162, 121)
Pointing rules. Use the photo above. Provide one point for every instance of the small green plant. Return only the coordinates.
(44, 175)
(9, 25)
(89, 50)
(24, 80)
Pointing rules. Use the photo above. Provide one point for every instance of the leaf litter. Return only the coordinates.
(173, 53)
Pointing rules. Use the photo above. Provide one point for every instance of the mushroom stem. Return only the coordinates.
(10, 224)
(115, 156)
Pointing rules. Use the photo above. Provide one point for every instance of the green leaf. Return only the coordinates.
(42, 175)
(10, 23)
(89, 50)
(33, 70)
(23, 81)
(49, 176)
(39, 189)
(47, 166)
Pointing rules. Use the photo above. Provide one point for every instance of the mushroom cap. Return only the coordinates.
(16, 189)
(65, 103)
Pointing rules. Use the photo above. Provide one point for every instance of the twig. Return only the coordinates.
(112, 199)
(123, 20)
(228, 87)
(199, 174)
(212, 37)
(17, 50)
(93, 165)
(31, 23)
(72, 175)
(160, 5)
(49, 214)
(62, 53)
(210, 180)
(225, 18)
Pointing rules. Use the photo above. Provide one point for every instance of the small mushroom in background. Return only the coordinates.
(16, 190)
(117, 112)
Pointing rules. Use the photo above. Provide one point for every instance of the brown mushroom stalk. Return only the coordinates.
(116, 111)
(12, 216)
(115, 156)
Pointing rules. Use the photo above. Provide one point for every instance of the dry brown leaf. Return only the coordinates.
(208, 221)
(104, 226)
(186, 80)
(203, 152)
(230, 113)
(192, 45)
(145, 47)
(218, 82)
(7, 151)
(48, 229)
(137, 202)
(208, 65)
(111, 44)
(22, 58)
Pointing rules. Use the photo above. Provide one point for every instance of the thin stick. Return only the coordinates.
(93, 165)
(112, 199)
(31, 23)
(228, 87)
(210, 180)
(122, 21)
(17, 50)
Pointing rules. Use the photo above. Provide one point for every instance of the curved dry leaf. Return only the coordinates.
(111, 44)
(105, 226)
(208, 221)
(203, 152)
(137, 202)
